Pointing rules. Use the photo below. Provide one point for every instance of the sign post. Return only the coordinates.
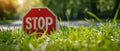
(39, 20)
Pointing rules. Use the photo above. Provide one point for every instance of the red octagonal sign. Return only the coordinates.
(38, 20)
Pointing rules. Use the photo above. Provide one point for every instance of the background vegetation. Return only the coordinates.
(64, 9)
(8, 9)
(77, 9)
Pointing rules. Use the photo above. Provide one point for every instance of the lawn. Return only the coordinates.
(104, 37)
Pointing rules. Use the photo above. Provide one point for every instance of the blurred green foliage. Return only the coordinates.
(77, 9)
(65, 9)
(8, 9)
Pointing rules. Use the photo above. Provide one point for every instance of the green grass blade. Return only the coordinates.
(116, 14)
(93, 15)
(43, 35)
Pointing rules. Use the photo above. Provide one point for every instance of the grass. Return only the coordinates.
(82, 38)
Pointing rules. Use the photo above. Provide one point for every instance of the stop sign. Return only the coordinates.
(39, 20)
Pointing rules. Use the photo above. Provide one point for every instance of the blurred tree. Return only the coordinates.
(105, 8)
(7, 9)
(58, 6)
(84, 6)
(76, 9)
